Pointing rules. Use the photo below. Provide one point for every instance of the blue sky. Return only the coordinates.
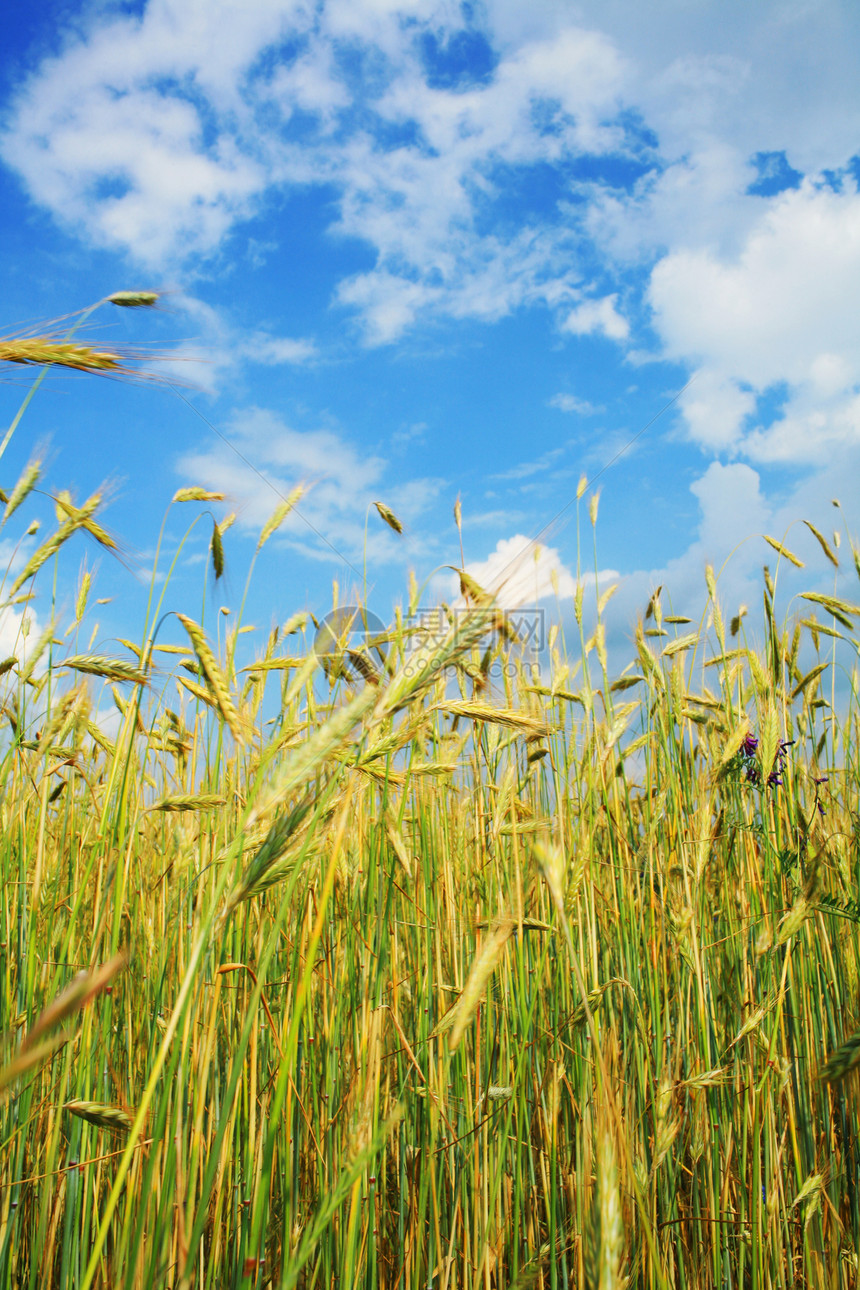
(420, 250)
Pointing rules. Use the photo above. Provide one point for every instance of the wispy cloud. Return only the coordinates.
(524, 469)
(220, 348)
(414, 433)
(570, 403)
(265, 458)
(273, 351)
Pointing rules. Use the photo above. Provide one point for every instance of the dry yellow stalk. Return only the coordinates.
(43, 553)
(812, 675)
(840, 609)
(497, 716)
(731, 747)
(66, 509)
(75, 997)
(611, 1221)
(689, 641)
(83, 595)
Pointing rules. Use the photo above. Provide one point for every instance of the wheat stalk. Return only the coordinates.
(214, 676)
(114, 669)
(25, 485)
(134, 299)
(47, 350)
(190, 802)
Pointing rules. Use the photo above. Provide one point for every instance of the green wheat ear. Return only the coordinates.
(842, 1060)
(104, 1117)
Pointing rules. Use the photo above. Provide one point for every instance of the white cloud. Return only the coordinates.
(597, 316)
(809, 431)
(414, 433)
(275, 350)
(731, 507)
(728, 69)
(19, 632)
(160, 133)
(779, 312)
(570, 403)
(220, 347)
(734, 514)
(157, 135)
(756, 314)
(526, 468)
(521, 572)
(714, 408)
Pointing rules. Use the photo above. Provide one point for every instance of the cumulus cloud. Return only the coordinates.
(523, 572)
(155, 135)
(715, 408)
(220, 347)
(779, 312)
(731, 507)
(754, 314)
(597, 316)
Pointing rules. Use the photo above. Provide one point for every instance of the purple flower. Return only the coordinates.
(749, 746)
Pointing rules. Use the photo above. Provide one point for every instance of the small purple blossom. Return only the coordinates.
(752, 770)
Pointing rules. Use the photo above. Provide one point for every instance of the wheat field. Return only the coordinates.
(427, 968)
